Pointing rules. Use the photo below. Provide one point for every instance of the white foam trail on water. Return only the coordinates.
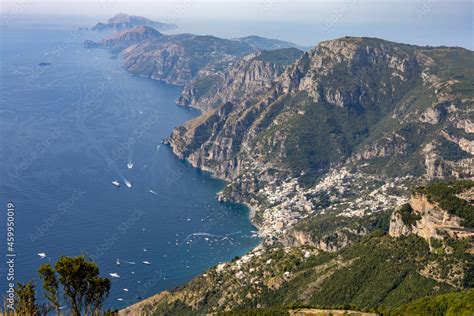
(152, 192)
(222, 237)
(127, 183)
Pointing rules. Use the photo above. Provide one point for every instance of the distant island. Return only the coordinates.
(122, 21)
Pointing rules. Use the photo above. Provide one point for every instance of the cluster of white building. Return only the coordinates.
(346, 194)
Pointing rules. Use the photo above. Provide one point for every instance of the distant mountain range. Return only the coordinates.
(327, 147)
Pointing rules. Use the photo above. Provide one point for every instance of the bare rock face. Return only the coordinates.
(437, 166)
(398, 227)
(246, 79)
(466, 125)
(428, 221)
(314, 71)
(390, 146)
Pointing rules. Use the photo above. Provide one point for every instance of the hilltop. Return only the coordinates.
(122, 21)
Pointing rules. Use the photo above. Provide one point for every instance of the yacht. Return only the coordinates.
(130, 165)
(116, 183)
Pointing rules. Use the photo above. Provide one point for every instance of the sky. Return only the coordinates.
(424, 22)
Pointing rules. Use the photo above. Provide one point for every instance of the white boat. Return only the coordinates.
(42, 255)
(125, 290)
(117, 261)
(130, 165)
(114, 275)
(116, 183)
(146, 262)
(128, 184)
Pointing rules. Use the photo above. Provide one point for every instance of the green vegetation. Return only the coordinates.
(205, 85)
(450, 304)
(76, 278)
(331, 228)
(385, 272)
(283, 56)
(408, 216)
(444, 194)
(451, 151)
(376, 274)
(264, 43)
(25, 300)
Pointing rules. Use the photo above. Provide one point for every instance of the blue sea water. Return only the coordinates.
(67, 130)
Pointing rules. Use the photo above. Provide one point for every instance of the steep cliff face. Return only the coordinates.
(248, 79)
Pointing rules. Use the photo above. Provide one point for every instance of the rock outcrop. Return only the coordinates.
(428, 220)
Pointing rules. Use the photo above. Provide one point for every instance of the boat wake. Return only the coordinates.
(127, 183)
(206, 235)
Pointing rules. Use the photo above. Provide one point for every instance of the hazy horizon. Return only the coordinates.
(428, 22)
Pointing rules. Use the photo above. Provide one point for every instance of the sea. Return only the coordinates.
(72, 121)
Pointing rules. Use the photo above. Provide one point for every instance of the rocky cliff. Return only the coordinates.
(248, 79)
(426, 218)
